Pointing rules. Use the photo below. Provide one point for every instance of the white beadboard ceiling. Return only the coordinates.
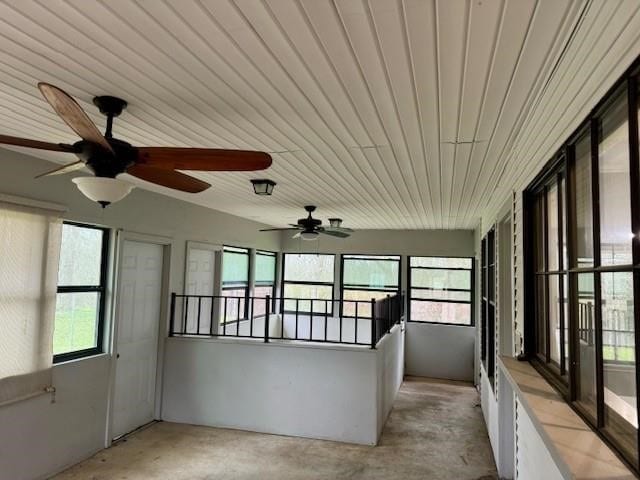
(392, 114)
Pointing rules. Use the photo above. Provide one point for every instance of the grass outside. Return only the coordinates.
(75, 329)
(621, 354)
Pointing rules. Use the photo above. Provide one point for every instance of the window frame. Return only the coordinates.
(385, 289)
(246, 289)
(268, 253)
(471, 302)
(564, 160)
(283, 282)
(101, 289)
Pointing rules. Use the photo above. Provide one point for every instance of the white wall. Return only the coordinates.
(390, 369)
(38, 438)
(291, 389)
(440, 351)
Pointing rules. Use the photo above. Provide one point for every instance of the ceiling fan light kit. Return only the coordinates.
(103, 190)
(108, 157)
(263, 186)
(309, 235)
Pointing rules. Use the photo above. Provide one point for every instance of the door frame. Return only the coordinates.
(163, 323)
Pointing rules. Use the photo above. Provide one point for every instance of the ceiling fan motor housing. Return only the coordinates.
(103, 163)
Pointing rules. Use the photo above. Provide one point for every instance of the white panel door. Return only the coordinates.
(138, 320)
(199, 281)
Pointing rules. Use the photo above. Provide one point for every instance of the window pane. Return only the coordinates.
(259, 303)
(440, 262)
(554, 318)
(364, 306)
(539, 229)
(562, 198)
(308, 268)
(541, 315)
(235, 268)
(441, 279)
(586, 394)
(80, 256)
(552, 227)
(265, 269)
(441, 295)
(370, 272)
(292, 290)
(618, 338)
(584, 210)
(235, 307)
(76, 322)
(441, 312)
(615, 208)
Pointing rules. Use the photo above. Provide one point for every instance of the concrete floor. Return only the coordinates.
(435, 431)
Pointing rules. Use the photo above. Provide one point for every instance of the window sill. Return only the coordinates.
(576, 448)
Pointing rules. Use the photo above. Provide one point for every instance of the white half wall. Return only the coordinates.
(440, 351)
(290, 388)
(390, 370)
(41, 437)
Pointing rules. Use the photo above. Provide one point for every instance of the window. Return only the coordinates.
(582, 269)
(235, 284)
(308, 276)
(29, 244)
(82, 277)
(440, 290)
(265, 280)
(365, 277)
(488, 292)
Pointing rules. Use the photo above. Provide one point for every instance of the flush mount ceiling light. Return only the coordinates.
(335, 222)
(263, 186)
(103, 190)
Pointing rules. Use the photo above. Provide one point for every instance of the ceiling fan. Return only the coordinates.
(108, 157)
(309, 228)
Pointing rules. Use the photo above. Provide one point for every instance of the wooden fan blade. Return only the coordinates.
(69, 167)
(334, 233)
(207, 159)
(73, 114)
(25, 142)
(168, 178)
(278, 229)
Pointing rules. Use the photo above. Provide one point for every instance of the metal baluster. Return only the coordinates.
(311, 320)
(199, 312)
(340, 326)
(173, 314)
(297, 313)
(251, 317)
(224, 317)
(213, 301)
(373, 323)
(238, 318)
(186, 312)
(266, 322)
